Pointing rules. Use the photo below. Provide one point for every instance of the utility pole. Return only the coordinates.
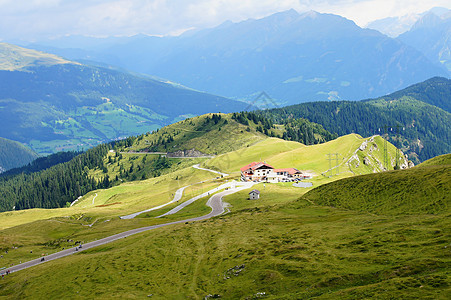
(336, 162)
(397, 146)
(330, 164)
(385, 147)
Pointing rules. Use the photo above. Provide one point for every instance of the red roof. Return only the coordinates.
(290, 171)
(255, 165)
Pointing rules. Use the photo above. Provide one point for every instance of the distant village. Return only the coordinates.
(263, 172)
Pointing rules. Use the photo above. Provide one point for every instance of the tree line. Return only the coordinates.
(293, 129)
(56, 186)
(424, 133)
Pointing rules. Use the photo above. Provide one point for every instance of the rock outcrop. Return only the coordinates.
(187, 153)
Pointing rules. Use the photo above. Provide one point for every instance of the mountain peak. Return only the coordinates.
(288, 13)
(440, 11)
(310, 14)
(283, 16)
(430, 19)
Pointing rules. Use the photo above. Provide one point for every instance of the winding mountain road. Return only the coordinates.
(215, 203)
(177, 196)
(213, 171)
(231, 185)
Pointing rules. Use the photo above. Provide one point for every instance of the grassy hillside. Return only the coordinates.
(280, 246)
(221, 133)
(209, 134)
(314, 159)
(121, 167)
(14, 154)
(13, 58)
(414, 191)
(294, 250)
(442, 160)
(126, 160)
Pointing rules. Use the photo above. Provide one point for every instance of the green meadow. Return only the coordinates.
(279, 247)
(378, 236)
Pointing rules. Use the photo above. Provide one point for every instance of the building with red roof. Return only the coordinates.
(255, 171)
(261, 171)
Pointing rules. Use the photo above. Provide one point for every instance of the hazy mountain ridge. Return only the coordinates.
(431, 34)
(395, 26)
(67, 106)
(293, 57)
(13, 58)
(14, 154)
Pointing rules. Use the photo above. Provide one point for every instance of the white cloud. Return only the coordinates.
(49, 18)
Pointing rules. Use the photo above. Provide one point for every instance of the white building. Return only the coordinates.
(261, 171)
(254, 194)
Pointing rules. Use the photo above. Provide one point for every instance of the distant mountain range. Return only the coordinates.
(428, 32)
(54, 104)
(431, 34)
(293, 57)
(394, 26)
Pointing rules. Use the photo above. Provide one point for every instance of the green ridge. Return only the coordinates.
(442, 160)
(420, 190)
(13, 154)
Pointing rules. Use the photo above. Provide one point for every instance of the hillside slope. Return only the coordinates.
(441, 160)
(424, 129)
(13, 155)
(128, 160)
(435, 91)
(209, 134)
(14, 58)
(355, 155)
(67, 106)
(420, 190)
(272, 247)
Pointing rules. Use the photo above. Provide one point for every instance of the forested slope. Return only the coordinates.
(435, 91)
(55, 186)
(424, 129)
(45, 185)
(14, 154)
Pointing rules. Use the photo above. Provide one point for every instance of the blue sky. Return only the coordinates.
(37, 19)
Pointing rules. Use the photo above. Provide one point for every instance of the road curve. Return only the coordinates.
(213, 171)
(215, 203)
(232, 185)
(177, 196)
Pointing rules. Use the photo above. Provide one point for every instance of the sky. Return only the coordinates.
(32, 20)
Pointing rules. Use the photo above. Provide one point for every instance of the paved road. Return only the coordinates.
(94, 198)
(213, 171)
(215, 202)
(178, 195)
(232, 184)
